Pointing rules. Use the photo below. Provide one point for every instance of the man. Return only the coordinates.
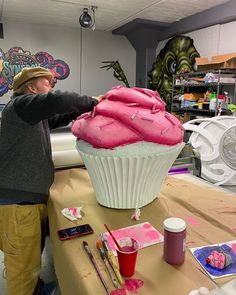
(27, 172)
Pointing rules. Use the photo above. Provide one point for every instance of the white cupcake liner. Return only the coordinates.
(128, 182)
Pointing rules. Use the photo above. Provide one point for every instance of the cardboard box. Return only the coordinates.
(192, 96)
(225, 61)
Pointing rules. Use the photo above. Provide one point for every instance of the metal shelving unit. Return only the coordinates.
(193, 81)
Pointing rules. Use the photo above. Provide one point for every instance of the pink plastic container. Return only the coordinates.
(174, 240)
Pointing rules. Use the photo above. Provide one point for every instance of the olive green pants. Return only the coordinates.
(21, 242)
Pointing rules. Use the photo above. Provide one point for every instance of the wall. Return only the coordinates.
(104, 46)
(65, 43)
(227, 38)
(210, 41)
(214, 40)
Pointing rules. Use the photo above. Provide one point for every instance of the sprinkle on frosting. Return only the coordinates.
(117, 111)
(147, 119)
(93, 113)
(106, 124)
(132, 104)
(168, 117)
(155, 111)
(163, 131)
(133, 116)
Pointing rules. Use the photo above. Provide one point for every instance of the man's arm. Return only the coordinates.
(33, 108)
(62, 120)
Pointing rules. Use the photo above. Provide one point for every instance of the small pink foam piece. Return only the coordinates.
(133, 284)
(73, 211)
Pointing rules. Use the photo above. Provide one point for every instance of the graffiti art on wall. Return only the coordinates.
(176, 57)
(13, 61)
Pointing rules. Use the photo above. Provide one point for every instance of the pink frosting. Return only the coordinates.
(128, 115)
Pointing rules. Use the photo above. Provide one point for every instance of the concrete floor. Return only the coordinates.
(48, 273)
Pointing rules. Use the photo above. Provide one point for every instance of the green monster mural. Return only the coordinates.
(178, 56)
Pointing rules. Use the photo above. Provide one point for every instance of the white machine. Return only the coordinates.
(215, 140)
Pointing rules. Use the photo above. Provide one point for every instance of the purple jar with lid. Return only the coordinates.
(174, 240)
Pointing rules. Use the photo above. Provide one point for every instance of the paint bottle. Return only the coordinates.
(212, 101)
(174, 240)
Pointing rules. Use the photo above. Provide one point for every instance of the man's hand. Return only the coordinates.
(99, 97)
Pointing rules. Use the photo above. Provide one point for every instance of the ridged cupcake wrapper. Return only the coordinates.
(128, 182)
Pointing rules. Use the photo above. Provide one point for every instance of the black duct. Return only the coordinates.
(1, 31)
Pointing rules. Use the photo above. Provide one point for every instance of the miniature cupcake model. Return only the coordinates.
(128, 143)
(219, 260)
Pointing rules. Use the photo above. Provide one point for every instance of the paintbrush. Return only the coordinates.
(112, 260)
(108, 266)
(114, 239)
(92, 259)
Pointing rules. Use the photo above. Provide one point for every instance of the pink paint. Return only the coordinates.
(144, 233)
(132, 285)
(174, 240)
(147, 225)
(127, 249)
(192, 220)
(152, 235)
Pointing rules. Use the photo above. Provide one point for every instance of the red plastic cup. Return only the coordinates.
(127, 257)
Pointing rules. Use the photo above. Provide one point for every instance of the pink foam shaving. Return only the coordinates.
(73, 211)
(133, 284)
(118, 292)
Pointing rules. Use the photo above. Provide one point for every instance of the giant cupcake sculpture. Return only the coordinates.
(128, 144)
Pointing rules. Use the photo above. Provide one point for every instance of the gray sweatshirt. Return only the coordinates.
(26, 166)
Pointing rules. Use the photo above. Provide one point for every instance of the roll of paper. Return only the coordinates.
(67, 158)
(62, 141)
